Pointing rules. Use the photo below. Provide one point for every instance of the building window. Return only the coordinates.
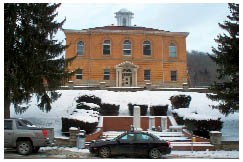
(172, 50)
(107, 47)
(127, 48)
(79, 74)
(146, 48)
(80, 48)
(173, 75)
(146, 74)
(106, 74)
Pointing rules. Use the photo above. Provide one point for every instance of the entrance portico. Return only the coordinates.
(126, 74)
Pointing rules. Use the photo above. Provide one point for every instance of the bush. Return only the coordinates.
(109, 109)
(202, 133)
(199, 127)
(159, 110)
(203, 127)
(180, 101)
(178, 119)
(68, 123)
(88, 106)
(89, 99)
(143, 109)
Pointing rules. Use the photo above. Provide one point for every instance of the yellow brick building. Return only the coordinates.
(127, 56)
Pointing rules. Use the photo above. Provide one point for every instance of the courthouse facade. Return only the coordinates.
(123, 55)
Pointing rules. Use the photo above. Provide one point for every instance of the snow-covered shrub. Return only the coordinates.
(89, 99)
(143, 109)
(200, 123)
(178, 119)
(180, 101)
(159, 110)
(109, 109)
(203, 127)
(80, 118)
(88, 106)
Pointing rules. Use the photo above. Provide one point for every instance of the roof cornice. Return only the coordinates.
(125, 31)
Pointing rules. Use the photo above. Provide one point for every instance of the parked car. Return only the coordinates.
(26, 137)
(131, 143)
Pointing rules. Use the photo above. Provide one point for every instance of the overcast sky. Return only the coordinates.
(199, 19)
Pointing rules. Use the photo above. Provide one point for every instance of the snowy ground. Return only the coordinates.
(174, 154)
(65, 104)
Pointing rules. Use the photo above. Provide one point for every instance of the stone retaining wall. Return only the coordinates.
(228, 146)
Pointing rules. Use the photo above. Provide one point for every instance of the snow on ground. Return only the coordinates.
(174, 154)
(206, 154)
(65, 104)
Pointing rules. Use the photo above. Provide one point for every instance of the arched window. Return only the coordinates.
(80, 48)
(127, 48)
(106, 47)
(172, 50)
(146, 48)
(79, 74)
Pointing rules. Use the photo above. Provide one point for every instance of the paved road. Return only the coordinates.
(58, 154)
(84, 154)
(48, 154)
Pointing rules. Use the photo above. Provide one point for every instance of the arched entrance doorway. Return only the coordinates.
(126, 74)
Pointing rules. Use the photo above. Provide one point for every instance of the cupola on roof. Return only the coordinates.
(124, 10)
(124, 17)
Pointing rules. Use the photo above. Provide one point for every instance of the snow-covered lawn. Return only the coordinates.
(65, 104)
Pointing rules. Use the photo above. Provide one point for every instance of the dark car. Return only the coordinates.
(131, 143)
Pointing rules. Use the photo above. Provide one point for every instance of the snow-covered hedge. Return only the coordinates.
(89, 99)
(80, 118)
(88, 106)
(143, 109)
(203, 127)
(198, 122)
(109, 109)
(196, 113)
(159, 110)
(85, 116)
(180, 101)
(91, 102)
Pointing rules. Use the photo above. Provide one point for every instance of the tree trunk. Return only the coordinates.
(7, 103)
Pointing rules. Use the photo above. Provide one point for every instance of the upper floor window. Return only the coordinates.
(172, 50)
(127, 48)
(106, 74)
(79, 74)
(146, 74)
(146, 48)
(107, 47)
(80, 48)
(173, 75)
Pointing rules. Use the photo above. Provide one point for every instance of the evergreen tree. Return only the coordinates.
(33, 61)
(227, 59)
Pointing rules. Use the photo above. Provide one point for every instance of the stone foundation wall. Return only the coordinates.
(228, 146)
